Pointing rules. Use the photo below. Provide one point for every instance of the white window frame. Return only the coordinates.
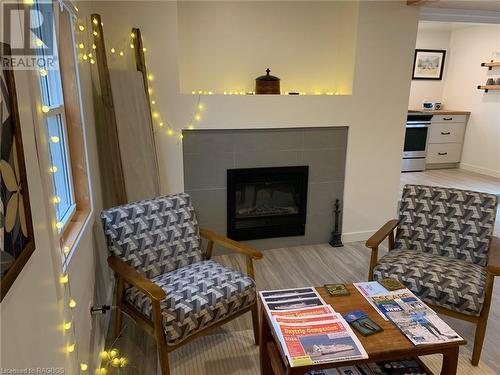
(54, 112)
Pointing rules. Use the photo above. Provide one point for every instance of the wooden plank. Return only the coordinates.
(140, 63)
(107, 133)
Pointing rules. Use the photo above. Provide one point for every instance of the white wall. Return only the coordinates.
(424, 90)
(33, 311)
(224, 46)
(469, 47)
(386, 34)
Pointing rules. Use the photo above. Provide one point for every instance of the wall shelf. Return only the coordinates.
(488, 87)
(491, 64)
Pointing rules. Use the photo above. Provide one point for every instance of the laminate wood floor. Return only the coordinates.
(320, 264)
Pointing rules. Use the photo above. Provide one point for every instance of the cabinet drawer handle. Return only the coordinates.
(445, 133)
(442, 153)
(447, 118)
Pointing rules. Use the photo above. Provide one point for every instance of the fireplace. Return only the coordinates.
(266, 202)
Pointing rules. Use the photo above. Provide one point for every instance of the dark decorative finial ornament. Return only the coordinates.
(336, 240)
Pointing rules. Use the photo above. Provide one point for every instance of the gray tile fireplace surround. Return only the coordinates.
(209, 153)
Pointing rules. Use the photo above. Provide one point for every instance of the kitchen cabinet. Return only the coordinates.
(445, 140)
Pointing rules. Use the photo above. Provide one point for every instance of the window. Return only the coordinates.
(55, 123)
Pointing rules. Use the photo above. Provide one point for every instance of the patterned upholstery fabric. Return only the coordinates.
(198, 295)
(154, 236)
(452, 223)
(453, 284)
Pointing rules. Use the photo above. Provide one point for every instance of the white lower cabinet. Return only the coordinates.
(438, 153)
(445, 140)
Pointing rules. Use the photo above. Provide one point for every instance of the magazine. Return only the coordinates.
(290, 299)
(385, 301)
(350, 370)
(422, 327)
(320, 342)
(413, 317)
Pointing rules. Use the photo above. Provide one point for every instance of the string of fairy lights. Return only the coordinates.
(86, 53)
(108, 358)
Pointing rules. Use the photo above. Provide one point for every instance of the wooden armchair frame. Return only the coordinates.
(125, 273)
(493, 269)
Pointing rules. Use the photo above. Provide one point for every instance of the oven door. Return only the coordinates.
(415, 140)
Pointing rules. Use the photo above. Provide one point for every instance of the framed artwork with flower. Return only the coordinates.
(16, 228)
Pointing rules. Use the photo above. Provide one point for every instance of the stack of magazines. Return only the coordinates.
(408, 366)
(309, 330)
(413, 317)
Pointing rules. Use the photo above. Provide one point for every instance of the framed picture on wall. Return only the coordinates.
(16, 229)
(428, 64)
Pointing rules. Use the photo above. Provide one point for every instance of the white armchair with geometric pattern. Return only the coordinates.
(444, 252)
(166, 281)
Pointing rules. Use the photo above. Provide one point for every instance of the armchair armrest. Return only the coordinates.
(494, 257)
(376, 239)
(136, 279)
(230, 244)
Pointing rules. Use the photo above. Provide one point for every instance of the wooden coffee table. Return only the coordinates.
(391, 344)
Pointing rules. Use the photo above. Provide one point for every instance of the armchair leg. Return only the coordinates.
(160, 339)
(255, 322)
(119, 314)
(118, 321)
(483, 321)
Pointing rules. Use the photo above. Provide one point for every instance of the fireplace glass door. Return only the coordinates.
(267, 202)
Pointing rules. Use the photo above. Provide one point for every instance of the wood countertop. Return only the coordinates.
(441, 111)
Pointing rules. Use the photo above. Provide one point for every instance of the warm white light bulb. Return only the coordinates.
(72, 303)
(59, 224)
(54, 139)
(121, 53)
(83, 366)
(95, 33)
(113, 50)
(43, 72)
(70, 348)
(64, 278)
(45, 108)
(53, 169)
(67, 326)
(81, 27)
(56, 199)
(95, 22)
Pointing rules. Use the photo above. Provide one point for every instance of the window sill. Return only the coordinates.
(73, 232)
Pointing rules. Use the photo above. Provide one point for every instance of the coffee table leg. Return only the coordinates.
(450, 361)
(265, 337)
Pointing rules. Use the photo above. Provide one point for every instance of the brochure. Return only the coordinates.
(423, 327)
(320, 342)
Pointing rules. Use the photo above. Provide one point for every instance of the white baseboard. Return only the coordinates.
(357, 236)
(480, 170)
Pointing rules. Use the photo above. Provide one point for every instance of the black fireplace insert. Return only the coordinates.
(266, 202)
